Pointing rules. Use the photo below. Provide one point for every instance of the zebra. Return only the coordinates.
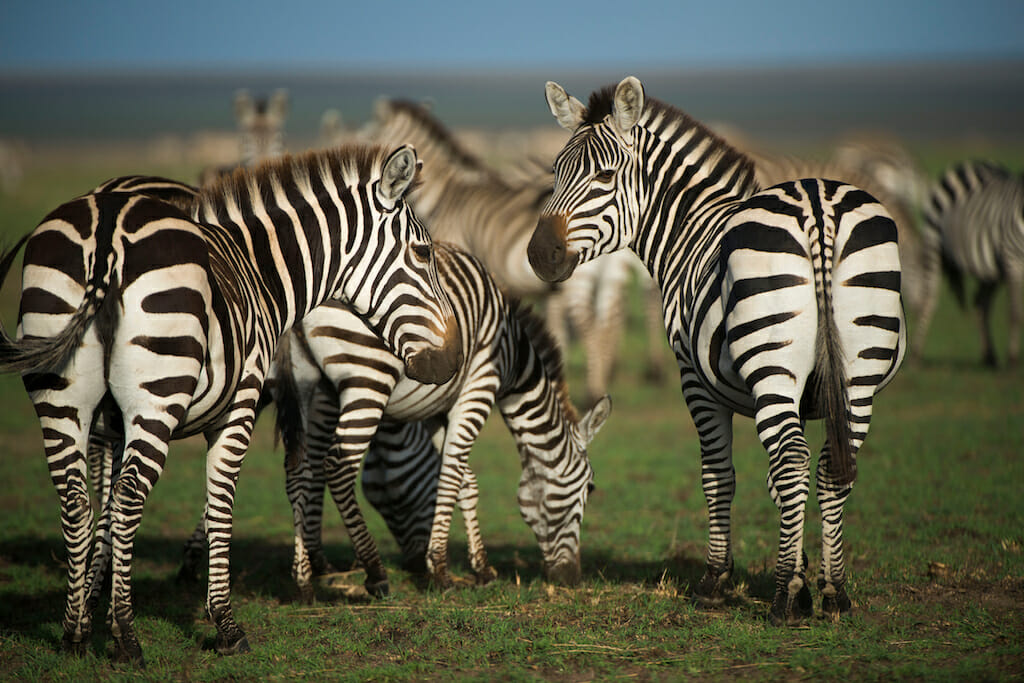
(468, 203)
(260, 123)
(974, 225)
(349, 383)
(781, 304)
(165, 322)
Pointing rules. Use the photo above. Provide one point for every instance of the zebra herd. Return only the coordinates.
(152, 310)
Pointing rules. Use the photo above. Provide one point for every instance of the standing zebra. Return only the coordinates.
(974, 225)
(466, 202)
(165, 324)
(510, 362)
(781, 304)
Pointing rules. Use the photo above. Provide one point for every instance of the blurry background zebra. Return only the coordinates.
(260, 129)
(974, 226)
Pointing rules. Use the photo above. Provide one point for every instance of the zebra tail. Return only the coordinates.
(50, 354)
(830, 374)
(833, 399)
(289, 424)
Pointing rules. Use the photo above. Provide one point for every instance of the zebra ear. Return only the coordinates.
(245, 106)
(595, 418)
(399, 171)
(278, 106)
(569, 111)
(629, 104)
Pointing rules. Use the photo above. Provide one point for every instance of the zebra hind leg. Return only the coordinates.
(983, 302)
(788, 484)
(832, 579)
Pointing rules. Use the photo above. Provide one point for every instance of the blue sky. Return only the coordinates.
(96, 35)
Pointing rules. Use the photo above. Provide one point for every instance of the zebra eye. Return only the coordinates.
(590, 487)
(422, 252)
(605, 175)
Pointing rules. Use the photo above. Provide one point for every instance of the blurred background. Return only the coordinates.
(151, 85)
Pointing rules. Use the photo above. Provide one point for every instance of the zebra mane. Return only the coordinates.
(601, 102)
(435, 130)
(344, 163)
(547, 348)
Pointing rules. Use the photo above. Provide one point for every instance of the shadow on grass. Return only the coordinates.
(261, 571)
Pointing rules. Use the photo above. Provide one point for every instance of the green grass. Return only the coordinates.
(934, 529)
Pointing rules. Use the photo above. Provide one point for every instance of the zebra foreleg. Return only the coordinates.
(298, 484)
(718, 480)
(468, 496)
(193, 553)
(341, 468)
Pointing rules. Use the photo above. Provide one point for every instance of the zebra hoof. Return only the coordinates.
(226, 646)
(442, 581)
(486, 575)
(710, 592)
(77, 648)
(791, 610)
(836, 604)
(307, 596)
(378, 588)
(128, 652)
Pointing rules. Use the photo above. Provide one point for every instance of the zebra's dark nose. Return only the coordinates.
(549, 257)
(437, 365)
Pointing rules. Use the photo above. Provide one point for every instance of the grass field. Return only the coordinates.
(935, 529)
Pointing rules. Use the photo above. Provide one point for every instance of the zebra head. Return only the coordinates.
(553, 491)
(594, 208)
(401, 297)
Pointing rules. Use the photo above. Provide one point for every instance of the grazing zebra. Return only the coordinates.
(165, 324)
(974, 225)
(781, 304)
(348, 383)
(466, 202)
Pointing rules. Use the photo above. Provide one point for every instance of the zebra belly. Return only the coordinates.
(411, 400)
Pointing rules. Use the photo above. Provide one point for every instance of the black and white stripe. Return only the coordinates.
(974, 226)
(468, 203)
(781, 304)
(351, 389)
(165, 323)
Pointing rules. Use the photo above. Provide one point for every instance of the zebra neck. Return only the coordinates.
(688, 181)
(534, 397)
(277, 270)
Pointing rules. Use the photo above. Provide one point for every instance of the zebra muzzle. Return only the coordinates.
(549, 256)
(437, 365)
